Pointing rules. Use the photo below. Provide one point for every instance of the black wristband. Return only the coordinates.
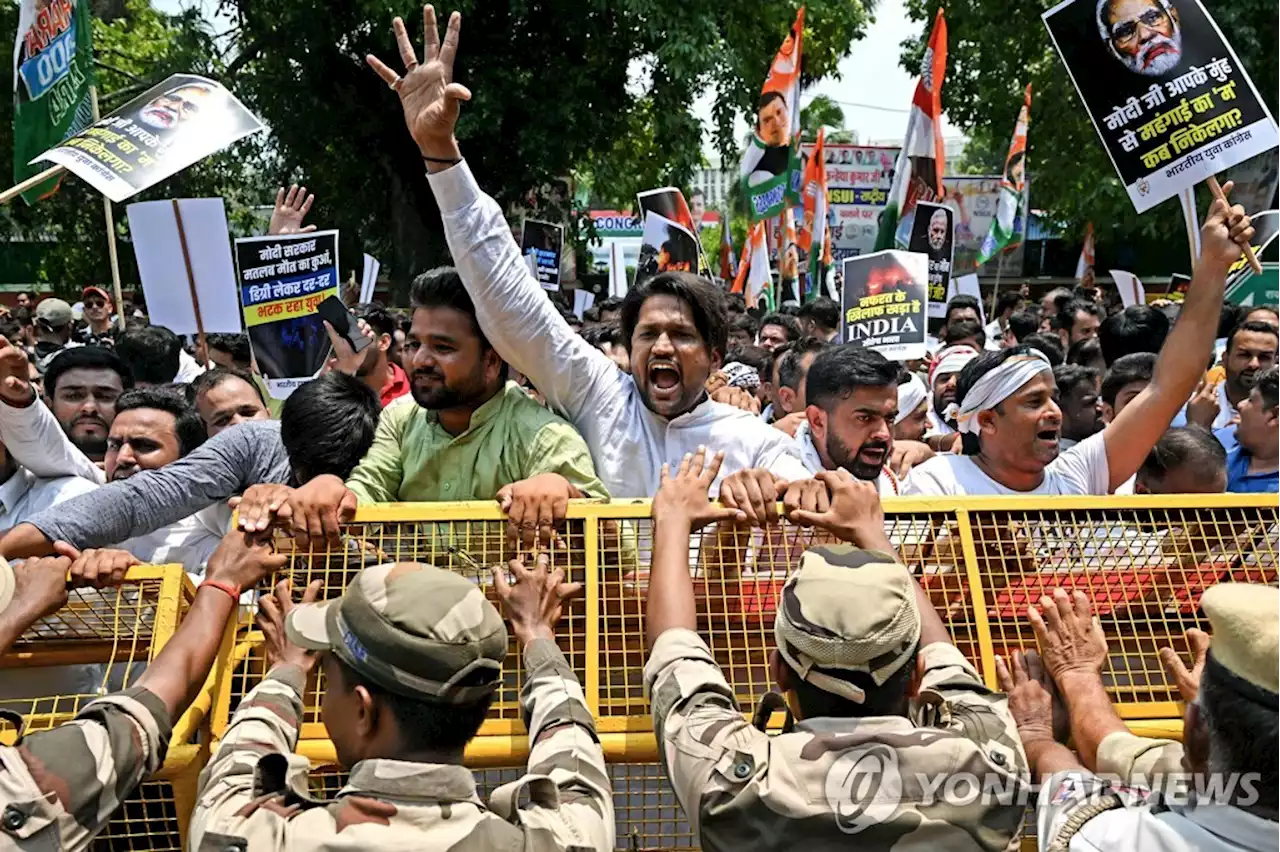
(448, 161)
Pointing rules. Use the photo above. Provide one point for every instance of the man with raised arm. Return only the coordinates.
(674, 325)
(1010, 422)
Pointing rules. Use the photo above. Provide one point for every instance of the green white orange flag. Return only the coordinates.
(813, 230)
(754, 274)
(770, 172)
(917, 176)
(1009, 225)
(1086, 261)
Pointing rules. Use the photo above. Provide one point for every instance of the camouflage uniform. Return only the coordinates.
(841, 783)
(1080, 811)
(58, 788)
(431, 628)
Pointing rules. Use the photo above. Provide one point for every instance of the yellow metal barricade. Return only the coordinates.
(156, 816)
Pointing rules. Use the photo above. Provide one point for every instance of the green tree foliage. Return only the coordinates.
(998, 46)
(136, 50)
(555, 89)
(820, 112)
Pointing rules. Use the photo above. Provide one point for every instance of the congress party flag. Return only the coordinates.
(770, 172)
(1010, 223)
(52, 73)
(813, 230)
(1087, 258)
(754, 274)
(922, 159)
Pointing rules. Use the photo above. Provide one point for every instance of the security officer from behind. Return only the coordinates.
(1228, 799)
(412, 657)
(890, 717)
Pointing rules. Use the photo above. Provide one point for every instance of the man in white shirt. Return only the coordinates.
(674, 325)
(1011, 425)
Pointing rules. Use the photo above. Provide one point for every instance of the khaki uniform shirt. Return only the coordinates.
(1135, 760)
(876, 783)
(254, 796)
(59, 787)
(1080, 812)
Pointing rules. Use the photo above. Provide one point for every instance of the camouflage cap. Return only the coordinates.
(415, 630)
(847, 610)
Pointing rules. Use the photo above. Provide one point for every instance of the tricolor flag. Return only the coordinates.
(727, 269)
(813, 230)
(917, 176)
(1009, 225)
(1086, 261)
(770, 171)
(754, 274)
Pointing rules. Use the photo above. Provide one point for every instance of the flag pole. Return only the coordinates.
(111, 230)
(191, 277)
(30, 183)
(996, 288)
(1216, 189)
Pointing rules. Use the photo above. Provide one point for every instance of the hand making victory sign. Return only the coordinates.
(427, 92)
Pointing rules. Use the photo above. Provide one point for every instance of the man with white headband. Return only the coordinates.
(912, 420)
(1010, 422)
(942, 382)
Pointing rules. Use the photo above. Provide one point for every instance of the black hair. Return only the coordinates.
(1065, 319)
(789, 310)
(1186, 446)
(442, 287)
(768, 98)
(22, 316)
(1006, 300)
(187, 423)
(1049, 344)
(10, 329)
(607, 333)
(26, 293)
(1243, 731)
(965, 329)
(976, 369)
(735, 303)
(591, 314)
(705, 301)
(1229, 316)
(1084, 294)
(1084, 351)
(327, 425)
(840, 370)
(235, 345)
(210, 379)
(824, 312)
(1266, 385)
(1023, 323)
(784, 321)
(960, 302)
(377, 316)
(85, 358)
(1059, 296)
(790, 370)
(1254, 326)
(613, 303)
(1067, 376)
(1136, 367)
(756, 357)
(887, 699)
(745, 322)
(152, 353)
(1138, 328)
(427, 725)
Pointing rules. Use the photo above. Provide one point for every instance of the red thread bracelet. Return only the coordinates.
(229, 588)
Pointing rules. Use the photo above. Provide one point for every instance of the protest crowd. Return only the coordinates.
(125, 443)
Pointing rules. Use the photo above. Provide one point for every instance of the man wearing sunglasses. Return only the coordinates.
(1145, 35)
(98, 330)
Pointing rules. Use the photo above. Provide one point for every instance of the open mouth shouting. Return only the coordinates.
(664, 380)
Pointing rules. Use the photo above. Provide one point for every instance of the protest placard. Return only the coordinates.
(281, 279)
(157, 134)
(885, 303)
(858, 181)
(542, 243)
(933, 235)
(1266, 225)
(667, 247)
(1166, 93)
(369, 281)
(1129, 287)
(187, 274)
(966, 285)
(669, 203)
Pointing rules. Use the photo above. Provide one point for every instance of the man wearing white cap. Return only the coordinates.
(912, 419)
(943, 374)
(1011, 424)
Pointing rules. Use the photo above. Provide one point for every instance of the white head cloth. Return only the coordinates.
(995, 387)
(910, 394)
(952, 360)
